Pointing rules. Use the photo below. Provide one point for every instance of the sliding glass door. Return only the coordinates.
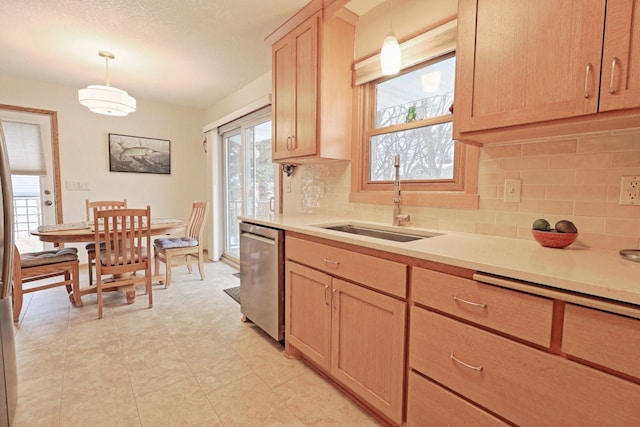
(248, 175)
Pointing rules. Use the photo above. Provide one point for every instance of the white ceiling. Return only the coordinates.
(183, 52)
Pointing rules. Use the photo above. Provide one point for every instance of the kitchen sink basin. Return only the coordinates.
(379, 233)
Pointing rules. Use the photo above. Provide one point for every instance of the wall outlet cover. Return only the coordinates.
(630, 190)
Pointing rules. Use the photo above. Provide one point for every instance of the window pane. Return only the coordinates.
(425, 153)
(423, 93)
(259, 177)
(233, 193)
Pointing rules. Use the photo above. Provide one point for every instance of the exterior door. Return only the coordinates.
(249, 176)
(31, 154)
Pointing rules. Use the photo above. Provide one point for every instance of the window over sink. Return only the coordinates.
(410, 115)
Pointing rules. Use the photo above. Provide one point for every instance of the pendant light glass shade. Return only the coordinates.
(390, 55)
(107, 99)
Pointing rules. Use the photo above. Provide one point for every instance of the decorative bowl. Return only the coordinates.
(554, 239)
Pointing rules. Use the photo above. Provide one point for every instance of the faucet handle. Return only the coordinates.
(403, 219)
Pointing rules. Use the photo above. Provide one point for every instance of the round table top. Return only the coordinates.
(78, 232)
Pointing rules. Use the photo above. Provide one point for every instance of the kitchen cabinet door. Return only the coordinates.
(621, 56)
(524, 62)
(368, 342)
(308, 313)
(295, 83)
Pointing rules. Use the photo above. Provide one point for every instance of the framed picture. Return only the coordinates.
(138, 154)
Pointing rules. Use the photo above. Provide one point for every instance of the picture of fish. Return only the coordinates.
(139, 154)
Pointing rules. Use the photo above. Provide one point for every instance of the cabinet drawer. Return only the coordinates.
(606, 339)
(431, 405)
(525, 316)
(524, 385)
(381, 274)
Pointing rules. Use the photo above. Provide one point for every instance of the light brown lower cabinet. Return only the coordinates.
(353, 333)
(428, 405)
(524, 385)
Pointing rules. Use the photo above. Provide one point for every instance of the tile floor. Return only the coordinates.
(188, 361)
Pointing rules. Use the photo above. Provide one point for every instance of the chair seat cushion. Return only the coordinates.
(91, 247)
(175, 242)
(32, 259)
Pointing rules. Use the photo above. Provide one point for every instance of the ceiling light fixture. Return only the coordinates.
(107, 99)
(390, 55)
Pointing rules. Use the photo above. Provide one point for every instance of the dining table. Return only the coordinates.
(83, 232)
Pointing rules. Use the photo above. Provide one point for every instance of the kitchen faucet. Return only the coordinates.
(398, 217)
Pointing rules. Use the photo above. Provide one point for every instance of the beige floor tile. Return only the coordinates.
(182, 404)
(189, 360)
(111, 406)
(40, 409)
(316, 402)
(249, 402)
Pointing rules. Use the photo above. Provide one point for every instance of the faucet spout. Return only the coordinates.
(398, 217)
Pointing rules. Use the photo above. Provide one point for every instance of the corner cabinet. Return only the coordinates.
(350, 331)
(312, 89)
(526, 62)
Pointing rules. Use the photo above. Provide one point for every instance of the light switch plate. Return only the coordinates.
(630, 190)
(512, 189)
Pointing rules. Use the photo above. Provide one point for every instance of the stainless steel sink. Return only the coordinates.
(379, 233)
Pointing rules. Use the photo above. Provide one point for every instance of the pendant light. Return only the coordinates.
(390, 53)
(107, 99)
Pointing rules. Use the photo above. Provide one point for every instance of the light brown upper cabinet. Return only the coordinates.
(312, 86)
(539, 68)
(620, 87)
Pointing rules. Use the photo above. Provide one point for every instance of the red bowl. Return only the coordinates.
(553, 239)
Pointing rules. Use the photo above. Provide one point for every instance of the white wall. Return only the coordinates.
(83, 148)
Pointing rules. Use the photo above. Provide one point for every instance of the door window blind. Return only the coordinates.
(26, 156)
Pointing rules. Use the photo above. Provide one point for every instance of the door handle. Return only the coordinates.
(48, 203)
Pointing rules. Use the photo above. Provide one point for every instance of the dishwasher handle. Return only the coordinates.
(259, 238)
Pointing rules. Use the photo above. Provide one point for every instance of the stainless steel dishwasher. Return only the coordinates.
(262, 277)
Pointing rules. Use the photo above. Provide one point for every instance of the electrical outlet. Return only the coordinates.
(512, 188)
(630, 190)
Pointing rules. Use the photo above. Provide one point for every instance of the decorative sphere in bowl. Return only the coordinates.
(554, 239)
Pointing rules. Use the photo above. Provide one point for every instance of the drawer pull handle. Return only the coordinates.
(455, 359)
(329, 261)
(326, 300)
(475, 304)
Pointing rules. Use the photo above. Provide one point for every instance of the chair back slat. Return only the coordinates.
(103, 205)
(126, 239)
(197, 220)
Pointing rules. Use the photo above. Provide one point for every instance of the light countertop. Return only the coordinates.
(601, 273)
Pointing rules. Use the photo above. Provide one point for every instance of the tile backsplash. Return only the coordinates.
(577, 178)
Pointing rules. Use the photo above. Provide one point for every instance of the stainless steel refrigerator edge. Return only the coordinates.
(262, 277)
(8, 368)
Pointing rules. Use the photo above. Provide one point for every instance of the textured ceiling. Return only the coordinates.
(183, 52)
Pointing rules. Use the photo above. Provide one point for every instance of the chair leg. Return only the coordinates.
(201, 266)
(168, 262)
(77, 301)
(91, 255)
(99, 297)
(149, 287)
(17, 300)
(67, 278)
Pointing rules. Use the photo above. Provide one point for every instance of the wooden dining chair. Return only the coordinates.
(91, 247)
(126, 234)
(31, 267)
(168, 250)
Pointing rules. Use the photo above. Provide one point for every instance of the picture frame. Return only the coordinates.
(139, 154)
